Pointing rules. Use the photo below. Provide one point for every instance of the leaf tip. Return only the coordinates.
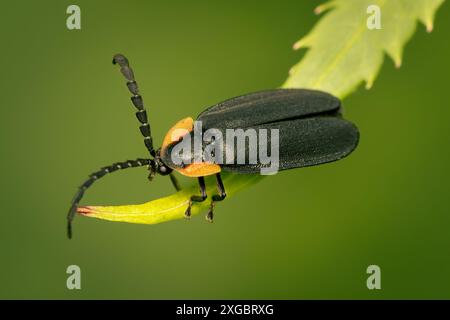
(323, 7)
(318, 10)
(85, 210)
(297, 45)
(429, 26)
(302, 43)
(291, 71)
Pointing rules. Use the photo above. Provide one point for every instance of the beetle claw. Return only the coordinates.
(187, 213)
(210, 215)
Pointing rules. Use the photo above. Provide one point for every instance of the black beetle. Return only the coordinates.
(309, 126)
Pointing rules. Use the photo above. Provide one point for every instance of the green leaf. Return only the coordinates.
(171, 207)
(342, 53)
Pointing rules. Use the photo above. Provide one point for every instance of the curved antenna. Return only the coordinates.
(97, 175)
(141, 114)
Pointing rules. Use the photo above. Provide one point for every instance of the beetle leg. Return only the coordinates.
(217, 197)
(175, 182)
(201, 183)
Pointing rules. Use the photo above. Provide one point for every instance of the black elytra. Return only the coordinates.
(310, 125)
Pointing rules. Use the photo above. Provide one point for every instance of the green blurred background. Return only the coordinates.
(306, 233)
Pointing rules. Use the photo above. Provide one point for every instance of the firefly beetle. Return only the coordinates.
(309, 125)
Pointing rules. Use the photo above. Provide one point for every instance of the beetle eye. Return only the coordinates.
(163, 169)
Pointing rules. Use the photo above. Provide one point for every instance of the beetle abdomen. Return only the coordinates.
(301, 143)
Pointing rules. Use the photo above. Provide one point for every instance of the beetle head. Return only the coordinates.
(157, 166)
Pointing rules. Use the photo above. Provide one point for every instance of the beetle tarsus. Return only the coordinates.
(215, 198)
(187, 213)
(210, 215)
(195, 198)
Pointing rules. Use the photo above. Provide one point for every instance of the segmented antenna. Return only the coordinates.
(141, 114)
(94, 177)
